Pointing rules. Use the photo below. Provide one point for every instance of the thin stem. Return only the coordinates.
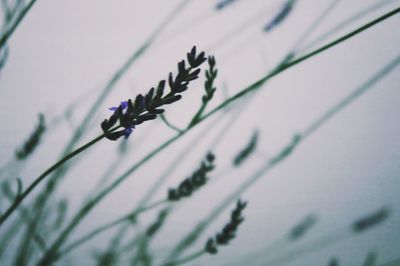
(393, 262)
(51, 185)
(4, 53)
(187, 258)
(24, 214)
(196, 118)
(91, 204)
(344, 23)
(282, 155)
(9, 31)
(241, 28)
(312, 246)
(105, 92)
(88, 207)
(174, 164)
(256, 85)
(8, 235)
(107, 226)
(39, 179)
(317, 22)
(171, 126)
(196, 141)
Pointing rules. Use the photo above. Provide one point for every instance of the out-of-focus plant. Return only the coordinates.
(125, 117)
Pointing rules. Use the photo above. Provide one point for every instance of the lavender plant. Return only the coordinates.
(124, 120)
(229, 231)
(13, 13)
(144, 108)
(197, 180)
(33, 141)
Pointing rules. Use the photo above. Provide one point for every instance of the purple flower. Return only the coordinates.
(124, 105)
(127, 131)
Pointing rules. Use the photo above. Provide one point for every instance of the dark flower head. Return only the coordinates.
(229, 231)
(195, 181)
(131, 113)
(371, 220)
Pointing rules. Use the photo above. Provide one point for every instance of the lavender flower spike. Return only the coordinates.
(146, 107)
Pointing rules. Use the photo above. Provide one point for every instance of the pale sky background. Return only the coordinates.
(64, 50)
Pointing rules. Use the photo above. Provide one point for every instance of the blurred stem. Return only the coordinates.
(316, 23)
(51, 185)
(49, 256)
(7, 236)
(312, 246)
(171, 126)
(186, 259)
(343, 24)
(178, 160)
(256, 85)
(197, 117)
(24, 214)
(394, 262)
(253, 87)
(18, 200)
(10, 30)
(107, 226)
(282, 155)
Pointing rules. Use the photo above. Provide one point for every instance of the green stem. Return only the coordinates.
(171, 126)
(107, 226)
(310, 247)
(197, 117)
(256, 85)
(281, 155)
(186, 259)
(6, 35)
(344, 24)
(393, 262)
(50, 187)
(90, 205)
(49, 256)
(18, 200)
(24, 214)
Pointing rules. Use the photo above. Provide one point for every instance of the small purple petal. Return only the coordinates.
(127, 132)
(124, 105)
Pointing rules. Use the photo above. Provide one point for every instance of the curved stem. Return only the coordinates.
(186, 259)
(7, 34)
(39, 179)
(49, 256)
(282, 155)
(197, 116)
(257, 85)
(343, 24)
(116, 77)
(107, 226)
(171, 126)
